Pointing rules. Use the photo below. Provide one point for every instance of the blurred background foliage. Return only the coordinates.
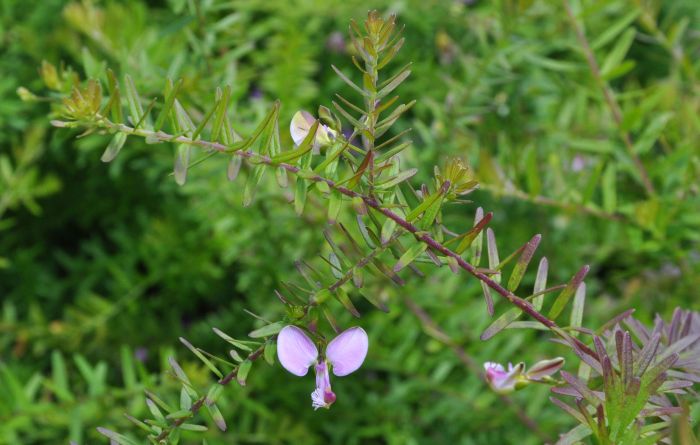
(103, 266)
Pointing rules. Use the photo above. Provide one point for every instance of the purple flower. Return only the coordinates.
(503, 381)
(499, 379)
(343, 355)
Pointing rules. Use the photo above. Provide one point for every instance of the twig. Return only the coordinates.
(539, 199)
(420, 235)
(197, 405)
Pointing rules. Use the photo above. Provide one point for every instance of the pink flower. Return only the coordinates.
(343, 355)
(300, 126)
(501, 381)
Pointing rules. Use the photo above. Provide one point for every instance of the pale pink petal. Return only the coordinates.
(347, 351)
(295, 351)
(501, 381)
(300, 125)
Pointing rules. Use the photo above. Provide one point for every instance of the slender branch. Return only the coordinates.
(609, 99)
(420, 235)
(543, 200)
(197, 405)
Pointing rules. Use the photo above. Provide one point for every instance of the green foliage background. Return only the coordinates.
(104, 266)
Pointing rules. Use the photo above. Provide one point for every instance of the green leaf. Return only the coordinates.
(234, 167)
(410, 255)
(618, 52)
(469, 237)
(652, 133)
(521, 266)
(201, 356)
(431, 212)
(252, 183)
(609, 188)
(305, 147)
(492, 251)
(335, 201)
(216, 416)
(60, 377)
(128, 369)
(214, 393)
(220, 115)
(300, 195)
(577, 309)
(345, 300)
(243, 370)
(566, 294)
(155, 411)
(194, 427)
(500, 323)
(270, 352)
(182, 161)
(394, 82)
(170, 94)
(134, 102)
(540, 283)
(347, 80)
(477, 245)
(116, 437)
(388, 230)
(114, 146)
(267, 330)
(115, 102)
(614, 30)
(394, 180)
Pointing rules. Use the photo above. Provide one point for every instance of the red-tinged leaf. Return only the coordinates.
(565, 295)
(470, 236)
(216, 416)
(355, 179)
(521, 266)
(581, 388)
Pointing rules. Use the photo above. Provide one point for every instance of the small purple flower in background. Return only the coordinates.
(503, 382)
(578, 163)
(344, 355)
(336, 42)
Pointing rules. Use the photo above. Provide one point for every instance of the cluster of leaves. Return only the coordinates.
(623, 397)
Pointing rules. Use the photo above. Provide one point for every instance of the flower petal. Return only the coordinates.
(347, 351)
(295, 351)
(300, 125)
